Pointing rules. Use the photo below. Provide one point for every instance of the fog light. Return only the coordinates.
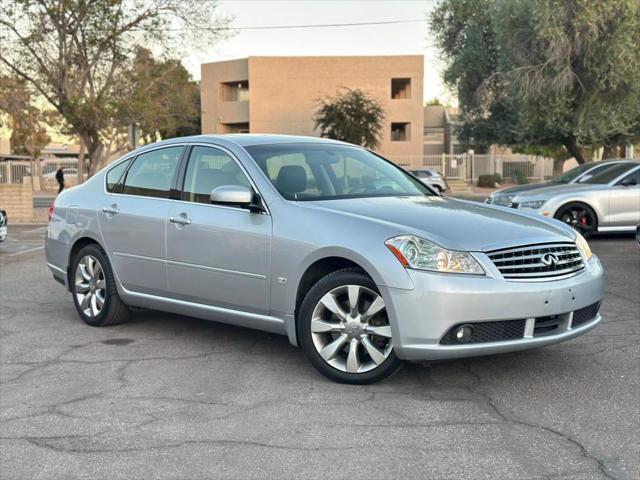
(463, 333)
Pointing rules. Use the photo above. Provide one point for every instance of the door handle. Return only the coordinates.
(180, 220)
(112, 210)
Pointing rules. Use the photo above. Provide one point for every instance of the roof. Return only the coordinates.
(245, 140)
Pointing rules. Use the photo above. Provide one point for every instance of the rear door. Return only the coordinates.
(133, 220)
(624, 201)
(217, 255)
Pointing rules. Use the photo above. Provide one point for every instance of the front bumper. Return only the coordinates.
(421, 317)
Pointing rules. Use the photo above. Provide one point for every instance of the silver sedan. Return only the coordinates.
(606, 202)
(353, 259)
(431, 178)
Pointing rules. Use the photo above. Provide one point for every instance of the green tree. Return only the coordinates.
(545, 72)
(75, 52)
(351, 116)
(162, 99)
(26, 121)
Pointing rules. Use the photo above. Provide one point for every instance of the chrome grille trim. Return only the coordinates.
(525, 263)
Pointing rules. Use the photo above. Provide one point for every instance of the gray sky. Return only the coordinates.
(398, 39)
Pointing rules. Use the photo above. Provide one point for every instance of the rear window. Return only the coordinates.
(115, 174)
(611, 174)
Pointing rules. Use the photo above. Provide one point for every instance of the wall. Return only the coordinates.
(215, 112)
(285, 91)
(17, 200)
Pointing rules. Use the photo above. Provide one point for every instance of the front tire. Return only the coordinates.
(94, 291)
(344, 329)
(578, 216)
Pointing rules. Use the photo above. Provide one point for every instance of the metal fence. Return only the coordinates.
(25, 171)
(469, 167)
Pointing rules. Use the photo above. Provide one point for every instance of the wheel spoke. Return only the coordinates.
(376, 355)
(101, 284)
(97, 271)
(82, 287)
(89, 262)
(84, 302)
(354, 297)
(330, 350)
(376, 306)
(83, 271)
(94, 306)
(330, 303)
(99, 299)
(320, 326)
(383, 331)
(580, 214)
(353, 363)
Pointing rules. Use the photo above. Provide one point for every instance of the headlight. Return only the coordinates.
(534, 204)
(583, 246)
(421, 254)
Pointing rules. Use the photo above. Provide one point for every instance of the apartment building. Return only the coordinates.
(280, 95)
(440, 137)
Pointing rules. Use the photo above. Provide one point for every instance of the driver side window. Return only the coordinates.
(210, 168)
(634, 176)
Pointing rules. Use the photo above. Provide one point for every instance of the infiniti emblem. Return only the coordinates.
(549, 259)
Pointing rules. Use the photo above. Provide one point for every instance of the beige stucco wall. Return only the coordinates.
(284, 92)
(214, 111)
(17, 200)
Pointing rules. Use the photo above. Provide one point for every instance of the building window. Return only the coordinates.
(235, 91)
(400, 132)
(400, 88)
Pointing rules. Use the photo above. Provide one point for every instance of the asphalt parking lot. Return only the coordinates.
(166, 396)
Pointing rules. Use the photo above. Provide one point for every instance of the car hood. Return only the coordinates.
(551, 191)
(454, 224)
(522, 188)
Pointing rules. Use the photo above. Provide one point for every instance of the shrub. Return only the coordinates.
(519, 178)
(489, 181)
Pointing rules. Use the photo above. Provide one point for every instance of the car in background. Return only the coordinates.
(578, 174)
(3, 225)
(431, 178)
(606, 202)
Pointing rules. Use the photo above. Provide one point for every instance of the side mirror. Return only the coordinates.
(236, 195)
(629, 182)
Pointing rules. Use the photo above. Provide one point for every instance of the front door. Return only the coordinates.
(133, 220)
(217, 255)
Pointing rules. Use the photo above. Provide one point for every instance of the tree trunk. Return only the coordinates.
(81, 162)
(96, 152)
(558, 164)
(611, 151)
(572, 147)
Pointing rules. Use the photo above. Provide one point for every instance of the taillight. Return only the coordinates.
(51, 208)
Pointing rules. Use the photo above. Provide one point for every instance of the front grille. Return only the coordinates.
(484, 332)
(585, 314)
(543, 261)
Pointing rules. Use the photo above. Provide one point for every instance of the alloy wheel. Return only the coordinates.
(579, 219)
(90, 286)
(350, 329)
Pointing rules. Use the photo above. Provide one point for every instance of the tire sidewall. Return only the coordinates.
(104, 314)
(313, 296)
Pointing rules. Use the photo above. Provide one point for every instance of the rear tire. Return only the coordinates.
(94, 290)
(344, 329)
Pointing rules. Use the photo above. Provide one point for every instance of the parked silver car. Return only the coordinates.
(606, 202)
(353, 259)
(431, 178)
(578, 174)
(3, 225)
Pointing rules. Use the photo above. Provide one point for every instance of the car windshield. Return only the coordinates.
(572, 174)
(303, 171)
(611, 174)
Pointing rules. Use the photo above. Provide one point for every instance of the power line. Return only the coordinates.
(284, 27)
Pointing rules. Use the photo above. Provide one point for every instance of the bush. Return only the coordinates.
(519, 178)
(489, 181)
